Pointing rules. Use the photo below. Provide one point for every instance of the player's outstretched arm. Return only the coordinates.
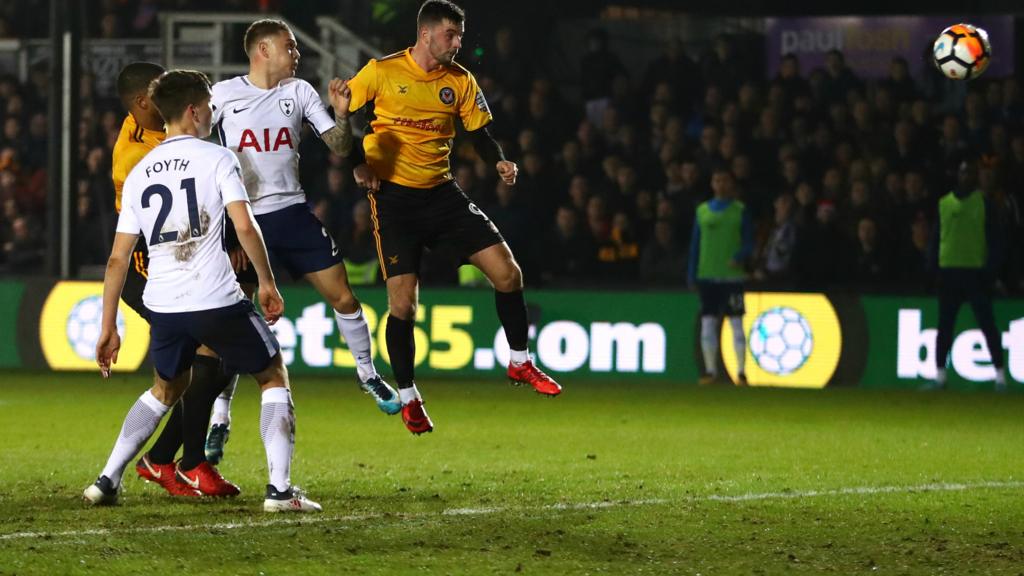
(489, 149)
(251, 239)
(339, 138)
(113, 282)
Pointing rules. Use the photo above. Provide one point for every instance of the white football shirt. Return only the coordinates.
(175, 197)
(262, 127)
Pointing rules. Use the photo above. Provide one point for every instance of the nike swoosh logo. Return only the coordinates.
(155, 474)
(240, 110)
(193, 483)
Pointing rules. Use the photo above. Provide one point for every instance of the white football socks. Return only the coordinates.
(357, 334)
(222, 405)
(709, 343)
(1001, 378)
(519, 357)
(739, 343)
(277, 429)
(409, 394)
(140, 423)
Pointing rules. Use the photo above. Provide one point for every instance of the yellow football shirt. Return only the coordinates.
(415, 117)
(133, 143)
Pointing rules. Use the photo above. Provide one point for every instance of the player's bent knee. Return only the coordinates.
(404, 309)
(402, 301)
(508, 280)
(346, 303)
(169, 391)
(275, 375)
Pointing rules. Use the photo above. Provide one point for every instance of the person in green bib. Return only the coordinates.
(722, 240)
(967, 248)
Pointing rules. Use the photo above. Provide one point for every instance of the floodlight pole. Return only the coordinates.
(64, 107)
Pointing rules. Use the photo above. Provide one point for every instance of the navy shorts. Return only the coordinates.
(721, 298)
(407, 220)
(297, 240)
(241, 338)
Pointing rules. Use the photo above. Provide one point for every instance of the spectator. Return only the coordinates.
(506, 63)
(870, 268)
(23, 253)
(721, 66)
(839, 79)
(678, 72)
(511, 215)
(859, 207)
(913, 261)
(789, 80)
(569, 251)
(597, 72)
(899, 84)
(92, 236)
(775, 260)
(579, 195)
(663, 261)
(822, 251)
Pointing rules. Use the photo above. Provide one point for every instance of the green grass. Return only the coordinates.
(610, 478)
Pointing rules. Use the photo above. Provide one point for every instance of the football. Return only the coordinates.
(781, 340)
(962, 52)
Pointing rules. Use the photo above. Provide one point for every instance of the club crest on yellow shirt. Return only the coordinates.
(447, 95)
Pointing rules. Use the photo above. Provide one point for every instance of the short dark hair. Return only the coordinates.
(722, 168)
(135, 78)
(174, 91)
(260, 29)
(437, 11)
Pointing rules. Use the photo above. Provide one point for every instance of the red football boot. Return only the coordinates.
(163, 474)
(206, 479)
(527, 373)
(415, 417)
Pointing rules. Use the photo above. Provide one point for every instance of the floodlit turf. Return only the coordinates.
(622, 478)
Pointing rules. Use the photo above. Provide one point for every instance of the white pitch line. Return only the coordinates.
(322, 519)
(865, 490)
(293, 521)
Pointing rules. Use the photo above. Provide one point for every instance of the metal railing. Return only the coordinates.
(201, 39)
(351, 50)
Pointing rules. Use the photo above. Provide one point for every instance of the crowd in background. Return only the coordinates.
(841, 175)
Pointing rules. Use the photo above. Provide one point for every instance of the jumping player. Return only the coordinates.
(259, 117)
(418, 94)
(176, 198)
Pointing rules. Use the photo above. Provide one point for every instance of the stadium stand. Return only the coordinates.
(842, 175)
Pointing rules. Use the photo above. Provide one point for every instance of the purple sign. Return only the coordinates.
(870, 42)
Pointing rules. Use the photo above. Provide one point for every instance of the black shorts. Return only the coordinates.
(236, 333)
(246, 275)
(407, 220)
(135, 280)
(959, 285)
(297, 240)
(721, 298)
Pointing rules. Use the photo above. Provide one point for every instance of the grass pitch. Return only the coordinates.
(623, 478)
